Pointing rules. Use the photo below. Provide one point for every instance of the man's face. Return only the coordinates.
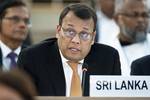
(75, 48)
(107, 7)
(133, 21)
(14, 25)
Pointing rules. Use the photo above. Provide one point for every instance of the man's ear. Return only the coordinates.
(58, 31)
(116, 18)
(93, 39)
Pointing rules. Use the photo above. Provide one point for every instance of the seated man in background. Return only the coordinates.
(141, 66)
(56, 64)
(107, 29)
(14, 26)
(16, 85)
(132, 42)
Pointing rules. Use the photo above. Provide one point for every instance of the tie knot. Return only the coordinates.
(73, 65)
(12, 55)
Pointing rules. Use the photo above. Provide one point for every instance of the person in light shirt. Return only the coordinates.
(107, 29)
(14, 26)
(133, 40)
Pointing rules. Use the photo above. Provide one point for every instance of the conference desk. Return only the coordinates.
(90, 98)
(120, 89)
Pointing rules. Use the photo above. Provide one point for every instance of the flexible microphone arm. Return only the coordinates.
(84, 70)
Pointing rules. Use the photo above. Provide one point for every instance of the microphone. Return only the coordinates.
(84, 70)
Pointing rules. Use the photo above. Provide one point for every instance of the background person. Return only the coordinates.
(16, 85)
(141, 66)
(107, 29)
(14, 26)
(133, 41)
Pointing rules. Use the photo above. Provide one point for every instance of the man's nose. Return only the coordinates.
(76, 39)
(22, 24)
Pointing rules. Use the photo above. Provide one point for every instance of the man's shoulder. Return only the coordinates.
(141, 66)
(101, 50)
(103, 47)
(43, 45)
(143, 60)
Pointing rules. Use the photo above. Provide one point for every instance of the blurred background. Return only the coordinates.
(44, 17)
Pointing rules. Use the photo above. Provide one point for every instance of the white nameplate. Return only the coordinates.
(119, 86)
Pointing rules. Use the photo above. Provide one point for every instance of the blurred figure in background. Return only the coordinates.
(141, 66)
(107, 29)
(16, 85)
(14, 26)
(132, 42)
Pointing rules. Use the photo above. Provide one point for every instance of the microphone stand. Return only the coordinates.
(84, 70)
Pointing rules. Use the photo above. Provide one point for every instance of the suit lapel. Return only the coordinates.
(90, 61)
(55, 68)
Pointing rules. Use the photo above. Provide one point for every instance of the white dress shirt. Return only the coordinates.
(68, 73)
(107, 28)
(136, 50)
(130, 52)
(5, 51)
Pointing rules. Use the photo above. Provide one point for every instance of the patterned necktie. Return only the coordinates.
(12, 57)
(76, 89)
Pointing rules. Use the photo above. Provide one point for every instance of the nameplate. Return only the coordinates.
(119, 86)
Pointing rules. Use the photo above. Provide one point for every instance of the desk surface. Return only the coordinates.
(90, 98)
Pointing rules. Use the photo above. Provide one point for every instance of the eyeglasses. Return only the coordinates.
(16, 19)
(136, 15)
(71, 33)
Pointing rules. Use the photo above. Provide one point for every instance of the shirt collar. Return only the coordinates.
(6, 50)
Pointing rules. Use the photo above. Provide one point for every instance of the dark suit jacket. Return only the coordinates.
(43, 62)
(141, 66)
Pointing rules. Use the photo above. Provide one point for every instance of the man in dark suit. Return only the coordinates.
(141, 66)
(50, 62)
(14, 26)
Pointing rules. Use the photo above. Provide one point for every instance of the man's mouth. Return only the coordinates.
(74, 49)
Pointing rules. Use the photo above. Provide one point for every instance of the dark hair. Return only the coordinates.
(80, 10)
(5, 4)
(19, 81)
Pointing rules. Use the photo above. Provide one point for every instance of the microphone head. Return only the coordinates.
(85, 67)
